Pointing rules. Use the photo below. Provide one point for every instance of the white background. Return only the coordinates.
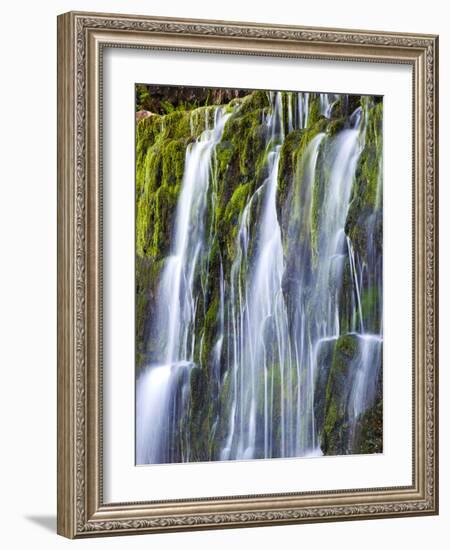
(123, 482)
(28, 274)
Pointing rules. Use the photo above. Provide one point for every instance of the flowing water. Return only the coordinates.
(159, 410)
(279, 307)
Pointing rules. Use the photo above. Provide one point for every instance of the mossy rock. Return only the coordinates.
(369, 431)
(198, 390)
(322, 373)
(144, 294)
(336, 428)
(173, 155)
(246, 135)
(176, 125)
(147, 131)
(202, 119)
(257, 100)
(365, 205)
(345, 106)
(290, 152)
(314, 110)
(164, 206)
(336, 126)
(210, 326)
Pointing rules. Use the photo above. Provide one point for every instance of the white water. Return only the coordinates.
(260, 321)
(158, 385)
(366, 370)
(162, 392)
(176, 316)
(326, 103)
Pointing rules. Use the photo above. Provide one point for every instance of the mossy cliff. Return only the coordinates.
(168, 124)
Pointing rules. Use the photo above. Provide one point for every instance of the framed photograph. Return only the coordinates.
(247, 274)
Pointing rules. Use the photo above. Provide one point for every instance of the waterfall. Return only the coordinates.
(326, 103)
(158, 385)
(303, 109)
(364, 386)
(162, 396)
(293, 294)
(176, 316)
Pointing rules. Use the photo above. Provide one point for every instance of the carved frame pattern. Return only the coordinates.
(81, 511)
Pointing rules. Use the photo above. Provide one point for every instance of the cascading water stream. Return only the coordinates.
(158, 386)
(260, 321)
(326, 103)
(178, 303)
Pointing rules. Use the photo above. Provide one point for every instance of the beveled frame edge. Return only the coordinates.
(81, 511)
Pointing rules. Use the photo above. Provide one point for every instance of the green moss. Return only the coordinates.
(346, 299)
(224, 153)
(324, 362)
(241, 131)
(201, 119)
(314, 115)
(161, 143)
(143, 296)
(224, 404)
(257, 100)
(338, 110)
(146, 280)
(346, 346)
(173, 155)
(345, 106)
(148, 179)
(233, 105)
(225, 393)
(164, 210)
(240, 169)
(331, 418)
(320, 184)
(207, 319)
(366, 201)
(336, 126)
(236, 204)
(369, 163)
(147, 132)
(291, 194)
(211, 315)
(370, 306)
(212, 270)
(290, 152)
(318, 192)
(196, 422)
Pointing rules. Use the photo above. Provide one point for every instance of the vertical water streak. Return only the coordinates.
(260, 325)
(301, 210)
(159, 385)
(327, 102)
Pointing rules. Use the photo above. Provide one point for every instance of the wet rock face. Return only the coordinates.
(259, 265)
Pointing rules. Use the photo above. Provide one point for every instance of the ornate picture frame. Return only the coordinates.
(82, 39)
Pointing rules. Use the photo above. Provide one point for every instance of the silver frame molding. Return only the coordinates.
(81, 39)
